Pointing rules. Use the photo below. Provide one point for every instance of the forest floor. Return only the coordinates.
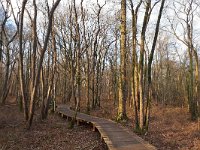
(170, 127)
(52, 134)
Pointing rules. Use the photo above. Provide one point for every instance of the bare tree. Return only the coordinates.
(43, 50)
(187, 23)
(7, 37)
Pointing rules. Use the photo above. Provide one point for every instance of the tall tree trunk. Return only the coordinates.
(51, 81)
(134, 84)
(87, 57)
(141, 64)
(115, 71)
(149, 90)
(34, 90)
(21, 67)
(122, 81)
(78, 58)
(192, 77)
(72, 71)
(6, 78)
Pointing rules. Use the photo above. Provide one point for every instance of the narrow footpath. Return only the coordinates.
(115, 136)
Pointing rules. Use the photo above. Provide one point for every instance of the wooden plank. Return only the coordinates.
(115, 136)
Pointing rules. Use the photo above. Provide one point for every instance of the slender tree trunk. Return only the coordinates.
(72, 71)
(141, 65)
(196, 87)
(87, 57)
(1, 58)
(78, 58)
(51, 83)
(115, 71)
(21, 67)
(149, 90)
(88, 83)
(6, 78)
(192, 77)
(122, 81)
(34, 91)
(135, 78)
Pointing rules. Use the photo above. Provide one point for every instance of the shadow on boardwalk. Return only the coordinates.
(115, 136)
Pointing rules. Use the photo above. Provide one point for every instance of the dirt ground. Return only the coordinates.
(170, 127)
(51, 134)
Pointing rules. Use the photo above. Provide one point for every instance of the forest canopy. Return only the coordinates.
(82, 53)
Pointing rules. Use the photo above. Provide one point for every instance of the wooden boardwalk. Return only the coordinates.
(115, 136)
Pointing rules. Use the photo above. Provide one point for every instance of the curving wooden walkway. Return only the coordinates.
(115, 136)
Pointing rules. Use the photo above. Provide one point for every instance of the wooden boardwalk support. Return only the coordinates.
(115, 136)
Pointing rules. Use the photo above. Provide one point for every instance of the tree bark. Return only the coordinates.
(122, 81)
(21, 66)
